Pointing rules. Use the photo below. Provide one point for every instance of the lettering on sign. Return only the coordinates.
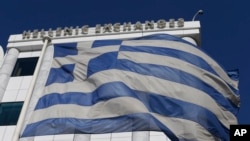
(105, 28)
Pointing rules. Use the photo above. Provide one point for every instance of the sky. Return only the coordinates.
(224, 25)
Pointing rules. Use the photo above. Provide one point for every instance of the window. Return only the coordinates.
(9, 113)
(25, 66)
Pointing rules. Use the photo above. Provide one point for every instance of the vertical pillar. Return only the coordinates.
(6, 69)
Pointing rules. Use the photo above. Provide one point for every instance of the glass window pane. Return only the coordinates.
(25, 66)
(9, 113)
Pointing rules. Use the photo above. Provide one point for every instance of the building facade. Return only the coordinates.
(17, 78)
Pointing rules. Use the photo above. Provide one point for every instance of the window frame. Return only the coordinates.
(24, 66)
(10, 112)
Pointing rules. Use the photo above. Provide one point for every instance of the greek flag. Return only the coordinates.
(153, 83)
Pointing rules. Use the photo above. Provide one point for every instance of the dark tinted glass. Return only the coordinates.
(25, 66)
(9, 113)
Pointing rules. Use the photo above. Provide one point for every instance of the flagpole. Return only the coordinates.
(46, 41)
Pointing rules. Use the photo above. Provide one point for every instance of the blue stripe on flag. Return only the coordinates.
(155, 103)
(102, 62)
(61, 75)
(102, 43)
(164, 37)
(127, 123)
(233, 74)
(62, 50)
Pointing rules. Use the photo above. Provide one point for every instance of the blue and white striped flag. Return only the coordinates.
(153, 83)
